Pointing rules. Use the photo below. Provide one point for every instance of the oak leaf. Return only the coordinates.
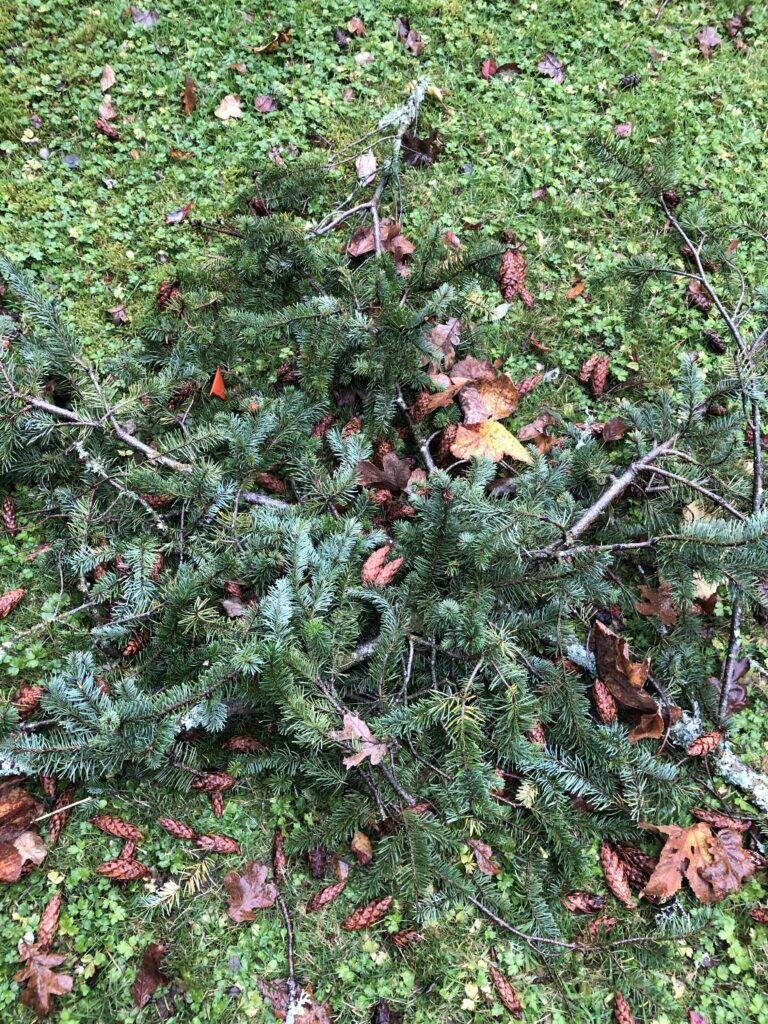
(356, 729)
(41, 980)
(623, 677)
(393, 473)
(713, 864)
(552, 68)
(488, 440)
(249, 891)
(658, 603)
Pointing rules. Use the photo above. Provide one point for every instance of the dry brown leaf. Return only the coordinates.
(149, 976)
(393, 473)
(658, 603)
(365, 166)
(362, 848)
(249, 891)
(536, 433)
(188, 95)
(484, 399)
(489, 440)
(41, 981)
(356, 729)
(306, 1010)
(356, 27)
(107, 78)
(443, 338)
(713, 864)
(623, 677)
(228, 108)
(427, 402)
(278, 39)
(575, 290)
(484, 857)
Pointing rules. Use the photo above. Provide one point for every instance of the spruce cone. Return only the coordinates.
(705, 743)
(269, 482)
(587, 367)
(100, 571)
(636, 858)
(177, 828)
(352, 427)
(9, 600)
(381, 496)
(279, 859)
(672, 197)
(323, 425)
(107, 129)
(447, 437)
(157, 500)
(243, 745)
(325, 896)
(759, 914)
(583, 902)
(136, 643)
(381, 447)
(167, 292)
(406, 937)
(116, 827)
(600, 375)
(181, 394)
(529, 383)
(9, 516)
(605, 703)
(512, 278)
(714, 340)
(48, 782)
(615, 876)
(49, 922)
(629, 81)
(123, 870)
(537, 735)
(57, 821)
(368, 915)
(594, 926)
(213, 782)
(157, 568)
(128, 850)
(507, 994)
(233, 589)
(287, 373)
(420, 407)
(26, 699)
(316, 859)
(103, 685)
(214, 843)
(721, 820)
(217, 804)
(621, 1011)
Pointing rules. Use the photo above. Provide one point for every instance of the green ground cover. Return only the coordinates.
(87, 215)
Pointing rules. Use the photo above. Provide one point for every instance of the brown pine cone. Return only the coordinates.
(107, 129)
(583, 902)
(585, 373)
(447, 437)
(717, 820)
(243, 745)
(214, 843)
(270, 482)
(705, 743)
(632, 857)
(529, 383)
(381, 496)
(213, 782)
(26, 699)
(316, 858)
(157, 568)
(615, 875)
(287, 373)
(364, 917)
(621, 1011)
(605, 703)
(123, 870)
(757, 859)
(507, 994)
(537, 735)
(100, 571)
(323, 425)
(759, 914)
(49, 922)
(181, 393)
(128, 850)
(177, 828)
(157, 500)
(167, 292)
(48, 782)
(116, 827)
(279, 859)
(138, 641)
(602, 922)
(672, 198)
(122, 567)
(406, 937)
(57, 821)
(714, 341)
(420, 407)
(512, 278)
(325, 896)
(233, 589)
(10, 599)
(352, 427)
(381, 447)
(600, 375)
(102, 685)
(9, 516)
(216, 801)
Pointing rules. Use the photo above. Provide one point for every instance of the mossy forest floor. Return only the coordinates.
(88, 216)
